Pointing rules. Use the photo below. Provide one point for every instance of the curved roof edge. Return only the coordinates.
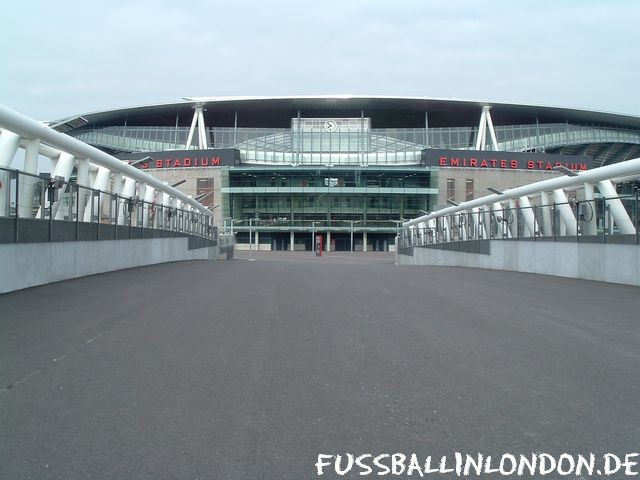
(615, 117)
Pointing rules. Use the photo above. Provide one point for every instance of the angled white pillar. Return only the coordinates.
(83, 180)
(620, 216)
(492, 131)
(100, 182)
(547, 231)
(291, 240)
(480, 139)
(203, 129)
(128, 191)
(528, 216)
(566, 213)
(513, 216)
(63, 169)
(589, 224)
(9, 143)
(149, 196)
(192, 129)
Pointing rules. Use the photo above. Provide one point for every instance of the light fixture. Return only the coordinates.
(495, 190)
(178, 183)
(141, 160)
(568, 172)
(450, 202)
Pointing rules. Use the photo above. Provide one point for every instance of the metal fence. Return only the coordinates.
(73, 212)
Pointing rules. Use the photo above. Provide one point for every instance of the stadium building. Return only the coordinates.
(350, 168)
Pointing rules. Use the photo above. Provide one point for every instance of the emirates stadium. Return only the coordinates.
(278, 170)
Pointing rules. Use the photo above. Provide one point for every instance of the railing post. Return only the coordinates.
(17, 223)
(115, 228)
(578, 221)
(554, 226)
(635, 209)
(98, 218)
(77, 212)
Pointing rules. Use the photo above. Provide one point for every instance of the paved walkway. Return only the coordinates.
(249, 370)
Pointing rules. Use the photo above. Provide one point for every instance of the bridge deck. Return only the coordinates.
(251, 369)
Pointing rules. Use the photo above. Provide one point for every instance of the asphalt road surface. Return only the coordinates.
(250, 370)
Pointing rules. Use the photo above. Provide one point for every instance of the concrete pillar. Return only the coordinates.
(328, 245)
(292, 238)
(364, 241)
(256, 236)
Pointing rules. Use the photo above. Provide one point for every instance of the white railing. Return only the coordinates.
(95, 169)
(538, 210)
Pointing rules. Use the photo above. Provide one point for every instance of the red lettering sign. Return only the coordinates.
(443, 161)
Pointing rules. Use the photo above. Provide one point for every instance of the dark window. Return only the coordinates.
(451, 189)
(204, 187)
(468, 189)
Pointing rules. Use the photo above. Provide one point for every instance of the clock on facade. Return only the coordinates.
(330, 125)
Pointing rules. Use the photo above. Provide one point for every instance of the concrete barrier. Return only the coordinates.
(616, 263)
(25, 265)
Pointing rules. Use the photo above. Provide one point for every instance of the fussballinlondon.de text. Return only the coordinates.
(532, 465)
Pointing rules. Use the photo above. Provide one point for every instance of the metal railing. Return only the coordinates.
(528, 212)
(75, 212)
(594, 223)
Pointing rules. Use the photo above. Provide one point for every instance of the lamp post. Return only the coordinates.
(313, 236)
(352, 224)
(251, 259)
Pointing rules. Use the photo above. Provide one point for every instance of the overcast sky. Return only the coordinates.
(64, 57)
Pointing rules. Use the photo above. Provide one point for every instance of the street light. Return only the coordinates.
(251, 259)
(352, 223)
(494, 190)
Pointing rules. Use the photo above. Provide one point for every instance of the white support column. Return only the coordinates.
(464, 230)
(619, 213)
(192, 130)
(27, 183)
(546, 214)
(149, 196)
(292, 238)
(83, 180)
(364, 241)
(128, 191)
(513, 216)
(528, 216)
(446, 228)
(328, 245)
(481, 138)
(63, 169)
(589, 225)
(492, 132)
(484, 222)
(9, 143)
(203, 129)
(256, 236)
(566, 214)
(101, 182)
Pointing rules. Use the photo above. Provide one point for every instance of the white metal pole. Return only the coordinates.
(9, 143)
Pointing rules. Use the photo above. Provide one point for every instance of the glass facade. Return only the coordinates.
(351, 142)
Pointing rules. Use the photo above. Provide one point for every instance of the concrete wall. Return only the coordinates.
(589, 261)
(25, 265)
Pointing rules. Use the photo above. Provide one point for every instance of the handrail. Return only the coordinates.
(31, 129)
(629, 168)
